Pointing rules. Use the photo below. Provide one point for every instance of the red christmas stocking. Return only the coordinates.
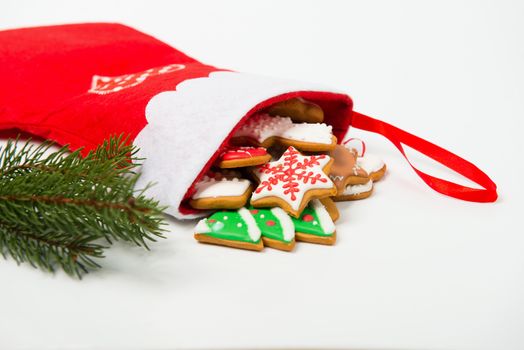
(80, 84)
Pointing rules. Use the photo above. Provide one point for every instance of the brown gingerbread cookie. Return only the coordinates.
(345, 170)
(299, 110)
(376, 169)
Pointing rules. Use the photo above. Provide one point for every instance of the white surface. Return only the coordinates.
(411, 268)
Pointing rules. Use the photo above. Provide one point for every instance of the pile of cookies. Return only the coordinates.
(278, 180)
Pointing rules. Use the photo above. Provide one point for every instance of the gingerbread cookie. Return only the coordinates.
(237, 157)
(236, 229)
(374, 166)
(355, 192)
(315, 225)
(299, 110)
(292, 181)
(276, 227)
(345, 170)
(331, 208)
(221, 192)
(264, 130)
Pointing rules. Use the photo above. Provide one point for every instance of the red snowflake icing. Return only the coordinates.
(292, 172)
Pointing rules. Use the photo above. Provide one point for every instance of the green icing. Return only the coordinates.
(228, 225)
(268, 223)
(309, 223)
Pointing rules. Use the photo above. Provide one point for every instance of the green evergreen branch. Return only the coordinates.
(56, 206)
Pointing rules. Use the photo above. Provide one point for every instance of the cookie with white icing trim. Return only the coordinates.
(299, 110)
(276, 226)
(315, 225)
(264, 130)
(220, 192)
(237, 157)
(373, 165)
(355, 192)
(236, 229)
(345, 169)
(292, 181)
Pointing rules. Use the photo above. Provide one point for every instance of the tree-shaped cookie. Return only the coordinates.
(292, 181)
(276, 227)
(315, 225)
(236, 229)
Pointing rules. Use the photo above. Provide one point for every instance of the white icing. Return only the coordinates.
(288, 228)
(212, 188)
(347, 144)
(323, 216)
(217, 226)
(252, 227)
(278, 189)
(263, 126)
(336, 177)
(260, 127)
(357, 189)
(309, 132)
(202, 227)
(370, 163)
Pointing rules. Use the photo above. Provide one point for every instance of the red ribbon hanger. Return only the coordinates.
(399, 137)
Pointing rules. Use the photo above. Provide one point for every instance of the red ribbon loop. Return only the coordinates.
(439, 154)
(362, 144)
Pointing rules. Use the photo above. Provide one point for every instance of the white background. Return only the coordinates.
(411, 269)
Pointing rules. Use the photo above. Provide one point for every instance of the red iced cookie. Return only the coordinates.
(236, 157)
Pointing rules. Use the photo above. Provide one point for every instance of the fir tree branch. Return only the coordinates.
(74, 255)
(55, 205)
(128, 206)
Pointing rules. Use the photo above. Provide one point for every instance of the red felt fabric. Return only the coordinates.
(47, 71)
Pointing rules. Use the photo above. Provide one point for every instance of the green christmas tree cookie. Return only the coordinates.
(276, 227)
(315, 225)
(230, 228)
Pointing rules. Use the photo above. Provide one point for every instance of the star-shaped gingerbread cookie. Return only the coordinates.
(292, 181)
